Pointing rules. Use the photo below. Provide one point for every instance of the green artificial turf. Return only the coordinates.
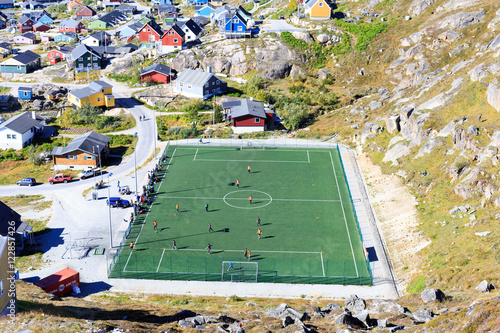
(309, 232)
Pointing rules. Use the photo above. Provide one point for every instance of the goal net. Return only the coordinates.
(240, 271)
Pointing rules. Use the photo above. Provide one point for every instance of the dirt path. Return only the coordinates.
(398, 219)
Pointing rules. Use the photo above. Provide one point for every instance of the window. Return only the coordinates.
(181, 84)
(9, 136)
(236, 21)
(109, 99)
(18, 67)
(175, 40)
(80, 59)
(189, 87)
(98, 99)
(102, 90)
(207, 84)
(71, 157)
(218, 82)
(25, 93)
(94, 58)
(257, 120)
(240, 28)
(67, 28)
(149, 30)
(320, 4)
(14, 136)
(51, 54)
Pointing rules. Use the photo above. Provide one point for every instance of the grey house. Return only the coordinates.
(199, 84)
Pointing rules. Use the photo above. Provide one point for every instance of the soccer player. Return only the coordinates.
(230, 268)
(258, 221)
(249, 169)
(174, 245)
(250, 198)
(208, 248)
(131, 245)
(249, 255)
(155, 226)
(259, 233)
(206, 207)
(237, 183)
(210, 228)
(245, 253)
(177, 207)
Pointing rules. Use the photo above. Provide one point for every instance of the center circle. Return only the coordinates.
(252, 206)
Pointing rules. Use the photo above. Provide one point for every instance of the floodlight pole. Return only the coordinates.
(109, 213)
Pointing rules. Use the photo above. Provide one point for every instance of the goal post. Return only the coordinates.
(240, 271)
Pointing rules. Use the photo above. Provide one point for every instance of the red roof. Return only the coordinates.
(55, 278)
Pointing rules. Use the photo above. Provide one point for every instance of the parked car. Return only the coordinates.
(89, 173)
(117, 202)
(26, 182)
(59, 178)
(125, 190)
(261, 17)
(282, 17)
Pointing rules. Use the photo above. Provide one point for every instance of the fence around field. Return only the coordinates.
(355, 217)
(198, 268)
(209, 268)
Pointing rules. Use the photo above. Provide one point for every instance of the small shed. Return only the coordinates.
(25, 93)
(60, 283)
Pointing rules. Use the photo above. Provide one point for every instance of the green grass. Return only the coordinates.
(305, 226)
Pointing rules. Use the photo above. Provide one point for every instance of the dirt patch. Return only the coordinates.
(397, 214)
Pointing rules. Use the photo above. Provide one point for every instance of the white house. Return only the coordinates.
(19, 131)
(97, 39)
(199, 84)
(191, 30)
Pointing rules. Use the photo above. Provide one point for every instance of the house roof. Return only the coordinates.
(24, 58)
(25, 89)
(192, 25)
(196, 8)
(311, 3)
(244, 107)
(70, 34)
(29, 35)
(154, 26)
(110, 17)
(176, 28)
(137, 26)
(65, 49)
(238, 15)
(87, 142)
(243, 12)
(195, 77)
(7, 46)
(92, 89)
(126, 7)
(159, 68)
(7, 2)
(23, 19)
(39, 24)
(166, 8)
(22, 123)
(87, 7)
(7, 214)
(69, 24)
(81, 50)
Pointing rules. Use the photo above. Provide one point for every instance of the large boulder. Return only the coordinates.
(493, 94)
(484, 286)
(283, 310)
(350, 321)
(355, 304)
(374, 105)
(331, 307)
(279, 70)
(322, 38)
(392, 123)
(303, 35)
(423, 315)
(418, 6)
(432, 295)
(122, 65)
(380, 306)
(429, 146)
(461, 20)
(184, 59)
(217, 64)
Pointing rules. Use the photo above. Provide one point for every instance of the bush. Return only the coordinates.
(33, 155)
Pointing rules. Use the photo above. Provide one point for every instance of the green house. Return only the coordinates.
(109, 20)
(83, 58)
(25, 62)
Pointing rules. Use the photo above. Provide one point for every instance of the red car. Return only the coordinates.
(59, 178)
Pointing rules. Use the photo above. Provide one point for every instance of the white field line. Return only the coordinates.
(263, 161)
(308, 159)
(161, 258)
(343, 211)
(246, 199)
(149, 209)
(253, 251)
(322, 263)
(194, 159)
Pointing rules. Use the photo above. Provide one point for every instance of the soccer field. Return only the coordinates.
(309, 230)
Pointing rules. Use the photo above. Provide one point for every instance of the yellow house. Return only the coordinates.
(319, 10)
(98, 93)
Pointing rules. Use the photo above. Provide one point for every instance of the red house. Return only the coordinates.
(58, 55)
(85, 11)
(248, 116)
(25, 24)
(41, 27)
(150, 32)
(71, 26)
(172, 39)
(156, 73)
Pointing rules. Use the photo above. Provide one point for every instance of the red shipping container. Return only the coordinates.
(60, 283)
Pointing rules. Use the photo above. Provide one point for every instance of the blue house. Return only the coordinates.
(46, 19)
(67, 37)
(6, 4)
(200, 2)
(162, 2)
(235, 26)
(25, 93)
(204, 10)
